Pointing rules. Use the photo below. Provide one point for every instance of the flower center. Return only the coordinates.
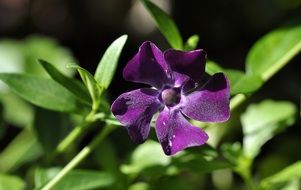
(171, 96)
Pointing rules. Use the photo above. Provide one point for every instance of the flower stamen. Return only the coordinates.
(171, 96)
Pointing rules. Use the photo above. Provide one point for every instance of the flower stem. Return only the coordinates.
(79, 157)
(250, 184)
(237, 100)
(74, 134)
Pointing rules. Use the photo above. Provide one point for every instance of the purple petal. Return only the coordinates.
(185, 65)
(135, 110)
(175, 133)
(147, 66)
(209, 103)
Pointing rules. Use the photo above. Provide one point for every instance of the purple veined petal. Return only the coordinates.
(135, 110)
(175, 133)
(148, 66)
(209, 103)
(185, 65)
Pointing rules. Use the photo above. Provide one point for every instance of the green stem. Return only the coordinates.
(237, 100)
(69, 139)
(250, 184)
(79, 157)
(75, 133)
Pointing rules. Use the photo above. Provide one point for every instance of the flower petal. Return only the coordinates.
(175, 133)
(185, 65)
(209, 103)
(147, 66)
(135, 110)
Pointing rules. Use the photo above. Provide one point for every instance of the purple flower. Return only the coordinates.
(179, 91)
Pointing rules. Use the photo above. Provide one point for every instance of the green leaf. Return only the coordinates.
(146, 155)
(50, 127)
(92, 85)
(2, 124)
(21, 118)
(71, 84)
(106, 68)
(139, 186)
(212, 67)
(191, 43)
(42, 92)
(235, 155)
(200, 164)
(273, 51)
(107, 161)
(262, 121)
(165, 24)
(241, 83)
(288, 174)
(75, 179)
(24, 148)
(10, 182)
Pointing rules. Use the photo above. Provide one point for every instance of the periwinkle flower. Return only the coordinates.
(178, 92)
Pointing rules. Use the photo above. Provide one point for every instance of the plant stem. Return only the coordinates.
(79, 157)
(74, 134)
(250, 183)
(237, 100)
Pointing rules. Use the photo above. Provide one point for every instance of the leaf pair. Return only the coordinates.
(62, 93)
(104, 73)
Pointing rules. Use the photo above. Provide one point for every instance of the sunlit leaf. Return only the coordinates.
(10, 182)
(273, 51)
(288, 174)
(264, 120)
(75, 179)
(165, 24)
(106, 68)
(241, 83)
(23, 148)
(146, 155)
(42, 92)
